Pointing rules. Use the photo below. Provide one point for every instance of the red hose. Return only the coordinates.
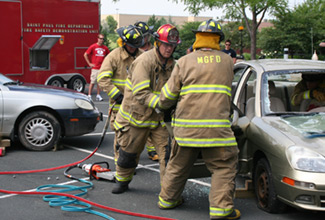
(49, 169)
(89, 202)
(72, 196)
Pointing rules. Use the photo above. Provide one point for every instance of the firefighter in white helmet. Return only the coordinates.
(113, 72)
(200, 84)
(137, 118)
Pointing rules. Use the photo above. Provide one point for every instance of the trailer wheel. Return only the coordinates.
(56, 81)
(39, 131)
(77, 83)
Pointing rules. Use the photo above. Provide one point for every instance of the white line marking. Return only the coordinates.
(89, 152)
(33, 190)
(148, 167)
(140, 166)
(98, 134)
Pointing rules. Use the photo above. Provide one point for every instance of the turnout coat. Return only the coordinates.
(200, 84)
(145, 80)
(113, 73)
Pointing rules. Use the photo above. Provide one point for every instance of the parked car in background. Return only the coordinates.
(38, 116)
(282, 147)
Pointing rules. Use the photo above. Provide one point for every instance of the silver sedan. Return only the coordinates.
(38, 116)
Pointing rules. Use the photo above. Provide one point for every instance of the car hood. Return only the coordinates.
(307, 131)
(27, 87)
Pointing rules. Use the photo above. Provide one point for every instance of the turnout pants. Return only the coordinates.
(221, 162)
(113, 116)
(131, 141)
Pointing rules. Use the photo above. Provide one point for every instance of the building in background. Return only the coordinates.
(127, 19)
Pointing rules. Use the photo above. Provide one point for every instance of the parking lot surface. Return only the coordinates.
(141, 198)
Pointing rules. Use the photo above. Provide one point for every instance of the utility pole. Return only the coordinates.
(312, 41)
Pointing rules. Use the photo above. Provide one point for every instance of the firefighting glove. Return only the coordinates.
(318, 95)
(119, 99)
(168, 113)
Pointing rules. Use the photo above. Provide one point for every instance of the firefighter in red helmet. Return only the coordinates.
(147, 32)
(200, 84)
(137, 119)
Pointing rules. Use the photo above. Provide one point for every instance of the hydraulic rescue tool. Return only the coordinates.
(96, 171)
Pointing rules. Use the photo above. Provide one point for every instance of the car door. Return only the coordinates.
(243, 96)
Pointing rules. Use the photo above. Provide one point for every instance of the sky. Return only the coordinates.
(160, 7)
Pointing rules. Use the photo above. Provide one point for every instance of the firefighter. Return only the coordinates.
(137, 119)
(113, 72)
(200, 84)
(309, 93)
(146, 31)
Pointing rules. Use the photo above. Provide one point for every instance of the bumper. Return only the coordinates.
(80, 121)
(303, 198)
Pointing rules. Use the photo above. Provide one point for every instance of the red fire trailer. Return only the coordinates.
(43, 41)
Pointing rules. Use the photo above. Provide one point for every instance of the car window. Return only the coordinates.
(247, 91)
(238, 73)
(281, 93)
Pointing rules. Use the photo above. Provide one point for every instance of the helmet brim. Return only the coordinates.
(222, 36)
(136, 45)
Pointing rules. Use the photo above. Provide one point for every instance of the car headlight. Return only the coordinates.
(84, 104)
(304, 159)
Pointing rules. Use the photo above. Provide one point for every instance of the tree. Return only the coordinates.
(238, 10)
(155, 22)
(108, 29)
(187, 37)
(231, 32)
(301, 30)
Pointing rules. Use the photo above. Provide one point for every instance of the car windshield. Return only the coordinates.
(293, 92)
(4, 79)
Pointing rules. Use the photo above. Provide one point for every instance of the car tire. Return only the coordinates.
(39, 131)
(56, 81)
(77, 83)
(264, 188)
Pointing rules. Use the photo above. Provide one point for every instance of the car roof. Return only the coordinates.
(284, 64)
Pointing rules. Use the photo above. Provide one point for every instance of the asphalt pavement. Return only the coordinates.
(141, 198)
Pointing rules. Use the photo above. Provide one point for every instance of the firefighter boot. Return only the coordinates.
(235, 214)
(164, 205)
(153, 155)
(120, 187)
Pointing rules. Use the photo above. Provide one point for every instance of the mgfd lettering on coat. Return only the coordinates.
(209, 59)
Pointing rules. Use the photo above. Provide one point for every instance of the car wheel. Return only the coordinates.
(77, 83)
(264, 188)
(56, 81)
(39, 131)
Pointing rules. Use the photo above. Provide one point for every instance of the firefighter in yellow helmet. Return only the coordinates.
(200, 84)
(137, 119)
(113, 72)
